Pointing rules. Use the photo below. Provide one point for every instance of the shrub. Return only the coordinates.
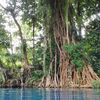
(2, 79)
(96, 84)
(76, 55)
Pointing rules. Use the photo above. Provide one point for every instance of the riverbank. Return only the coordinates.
(37, 85)
(16, 79)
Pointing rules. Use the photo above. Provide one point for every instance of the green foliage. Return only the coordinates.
(2, 78)
(76, 55)
(35, 78)
(4, 41)
(92, 44)
(48, 59)
(37, 58)
(96, 84)
(36, 75)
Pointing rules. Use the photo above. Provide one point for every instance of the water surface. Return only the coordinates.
(49, 94)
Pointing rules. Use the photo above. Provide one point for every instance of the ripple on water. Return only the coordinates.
(49, 94)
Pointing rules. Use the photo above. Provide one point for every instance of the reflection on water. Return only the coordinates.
(49, 94)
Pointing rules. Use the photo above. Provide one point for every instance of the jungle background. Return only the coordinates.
(50, 43)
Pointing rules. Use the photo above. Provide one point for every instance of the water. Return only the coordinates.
(49, 94)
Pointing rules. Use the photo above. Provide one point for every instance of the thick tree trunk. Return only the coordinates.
(23, 41)
(25, 69)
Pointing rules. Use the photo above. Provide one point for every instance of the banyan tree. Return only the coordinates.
(63, 25)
